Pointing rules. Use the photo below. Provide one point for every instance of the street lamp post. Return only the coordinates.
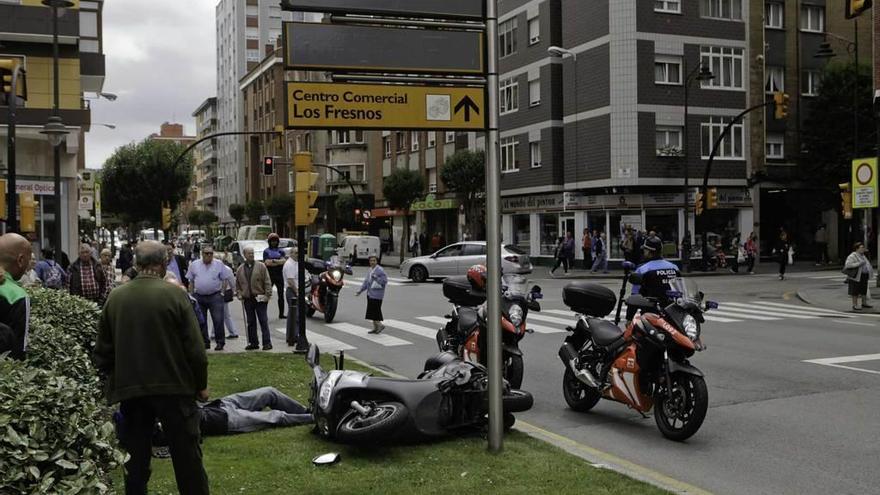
(556, 51)
(54, 128)
(700, 73)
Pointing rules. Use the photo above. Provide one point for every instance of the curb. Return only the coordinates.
(595, 457)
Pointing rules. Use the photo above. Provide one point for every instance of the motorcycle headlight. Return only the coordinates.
(516, 315)
(691, 328)
(336, 275)
(327, 388)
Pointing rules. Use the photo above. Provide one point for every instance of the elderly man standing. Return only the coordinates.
(86, 277)
(290, 273)
(15, 257)
(177, 265)
(206, 277)
(253, 285)
(150, 351)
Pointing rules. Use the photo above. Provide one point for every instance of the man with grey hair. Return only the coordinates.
(253, 286)
(149, 349)
(85, 276)
(206, 277)
(15, 256)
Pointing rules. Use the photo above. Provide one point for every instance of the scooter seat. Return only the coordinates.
(436, 361)
(604, 332)
(467, 319)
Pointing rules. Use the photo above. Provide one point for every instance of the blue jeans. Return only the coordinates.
(245, 411)
(227, 317)
(601, 262)
(214, 303)
(257, 311)
(292, 316)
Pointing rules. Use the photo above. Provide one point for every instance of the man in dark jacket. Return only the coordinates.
(126, 258)
(151, 352)
(86, 278)
(177, 265)
(15, 256)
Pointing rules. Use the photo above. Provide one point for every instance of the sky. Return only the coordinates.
(160, 61)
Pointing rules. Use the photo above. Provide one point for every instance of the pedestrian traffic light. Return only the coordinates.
(305, 196)
(166, 216)
(2, 199)
(698, 204)
(712, 198)
(27, 208)
(780, 103)
(269, 166)
(855, 8)
(846, 200)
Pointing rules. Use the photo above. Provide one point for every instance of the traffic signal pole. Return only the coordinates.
(12, 105)
(304, 215)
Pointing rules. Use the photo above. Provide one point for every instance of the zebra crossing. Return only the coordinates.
(394, 282)
(338, 336)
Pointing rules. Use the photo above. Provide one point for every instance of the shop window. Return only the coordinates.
(549, 225)
(664, 223)
(522, 232)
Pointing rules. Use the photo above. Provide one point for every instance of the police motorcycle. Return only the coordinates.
(323, 286)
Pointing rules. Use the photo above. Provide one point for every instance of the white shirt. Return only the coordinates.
(290, 271)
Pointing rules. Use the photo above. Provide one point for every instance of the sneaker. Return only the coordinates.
(267, 347)
(866, 306)
(218, 347)
(856, 308)
(282, 317)
(251, 347)
(231, 336)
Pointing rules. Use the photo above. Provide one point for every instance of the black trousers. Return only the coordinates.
(278, 283)
(180, 421)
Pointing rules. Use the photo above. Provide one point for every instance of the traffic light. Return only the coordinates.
(28, 208)
(8, 69)
(305, 196)
(846, 200)
(712, 198)
(269, 166)
(855, 8)
(780, 103)
(166, 216)
(698, 204)
(3, 199)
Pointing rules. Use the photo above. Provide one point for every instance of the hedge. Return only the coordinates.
(70, 314)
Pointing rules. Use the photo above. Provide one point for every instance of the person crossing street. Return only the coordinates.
(374, 285)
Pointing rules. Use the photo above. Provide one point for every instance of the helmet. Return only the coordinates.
(653, 244)
(273, 237)
(476, 275)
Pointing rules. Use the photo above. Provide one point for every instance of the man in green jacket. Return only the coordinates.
(151, 352)
(15, 256)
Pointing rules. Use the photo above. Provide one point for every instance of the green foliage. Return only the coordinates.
(464, 173)
(68, 314)
(139, 177)
(201, 218)
(345, 206)
(401, 189)
(280, 208)
(52, 349)
(236, 211)
(254, 209)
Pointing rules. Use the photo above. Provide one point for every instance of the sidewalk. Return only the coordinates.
(833, 295)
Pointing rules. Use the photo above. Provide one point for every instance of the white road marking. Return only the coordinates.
(738, 313)
(434, 319)
(543, 329)
(855, 323)
(381, 339)
(537, 328)
(810, 310)
(559, 312)
(549, 319)
(411, 328)
(720, 319)
(756, 313)
(360, 281)
(325, 344)
(803, 313)
(835, 362)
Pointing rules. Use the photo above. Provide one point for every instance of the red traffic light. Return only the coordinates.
(269, 165)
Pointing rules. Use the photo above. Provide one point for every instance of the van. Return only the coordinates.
(253, 232)
(367, 245)
(150, 235)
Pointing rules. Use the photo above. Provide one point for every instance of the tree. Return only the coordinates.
(139, 177)
(280, 208)
(346, 204)
(829, 135)
(236, 211)
(201, 218)
(254, 209)
(401, 188)
(464, 173)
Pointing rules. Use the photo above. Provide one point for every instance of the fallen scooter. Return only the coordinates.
(449, 396)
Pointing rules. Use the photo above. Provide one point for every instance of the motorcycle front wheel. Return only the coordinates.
(330, 308)
(680, 416)
(514, 371)
(578, 396)
(380, 424)
(517, 401)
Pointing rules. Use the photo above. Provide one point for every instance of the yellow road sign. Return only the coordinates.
(864, 183)
(384, 106)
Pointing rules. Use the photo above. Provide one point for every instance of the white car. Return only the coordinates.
(456, 258)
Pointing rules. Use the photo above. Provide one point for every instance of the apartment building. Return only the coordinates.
(26, 34)
(205, 174)
(175, 133)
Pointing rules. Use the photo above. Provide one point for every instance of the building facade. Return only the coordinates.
(26, 35)
(205, 154)
(175, 133)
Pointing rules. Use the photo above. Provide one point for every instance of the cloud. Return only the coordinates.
(160, 59)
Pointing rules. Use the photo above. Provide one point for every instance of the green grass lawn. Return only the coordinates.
(279, 461)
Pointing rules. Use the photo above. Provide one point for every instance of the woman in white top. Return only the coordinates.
(859, 271)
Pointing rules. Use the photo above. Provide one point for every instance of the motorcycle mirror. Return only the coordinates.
(628, 266)
(711, 305)
(536, 289)
(537, 295)
(313, 356)
(348, 270)
(326, 459)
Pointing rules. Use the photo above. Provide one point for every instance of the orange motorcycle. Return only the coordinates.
(643, 366)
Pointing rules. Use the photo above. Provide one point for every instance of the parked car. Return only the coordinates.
(456, 258)
(235, 255)
(286, 245)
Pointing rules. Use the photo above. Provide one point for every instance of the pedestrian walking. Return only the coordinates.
(559, 256)
(374, 285)
(206, 277)
(253, 286)
(50, 272)
(686, 248)
(291, 282)
(109, 272)
(423, 244)
(228, 292)
(627, 244)
(858, 271)
(587, 249)
(274, 258)
(781, 252)
(15, 256)
(751, 251)
(736, 250)
(601, 254)
(86, 277)
(177, 265)
(126, 258)
(150, 352)
(821, 239)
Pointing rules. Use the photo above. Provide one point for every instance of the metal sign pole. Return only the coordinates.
(493, 234)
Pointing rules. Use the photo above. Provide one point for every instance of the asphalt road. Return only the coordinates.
(776, 423)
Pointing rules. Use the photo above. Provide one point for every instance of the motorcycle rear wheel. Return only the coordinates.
(380, 424)
(330, 309)
(681, 417)
(514, 372)
(310, 311)
(578, 395)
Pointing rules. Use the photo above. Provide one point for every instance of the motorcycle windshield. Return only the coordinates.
(688, 292)
(514, 285)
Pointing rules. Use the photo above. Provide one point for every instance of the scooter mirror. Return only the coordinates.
(326, 459)
(348, 270)
(628, 266)
(635, 278)
(313, 357)
(711, 305)
(536, 289)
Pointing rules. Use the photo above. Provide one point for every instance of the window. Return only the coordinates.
(732, 145)
(535, 92)
(534, 31)
(474, 250)
(667, 70)
(342, 137)
(549, 232)
(454, 250)
(775, 146)
(535, 154)
(774, 14)
(667, 6)
(432, 139)
(775, 79)
(359, 137)
(726, 65)
(509, 94)
(88, 24)
(509, 161)
(386, 144)
(401, 142)
(669, 141)
(414, 140)
(810, 83)
(507, 38)
(730, 10)
(813, 18)
(90, 46)
(522, 235)
(253, 55)
(450, 137)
